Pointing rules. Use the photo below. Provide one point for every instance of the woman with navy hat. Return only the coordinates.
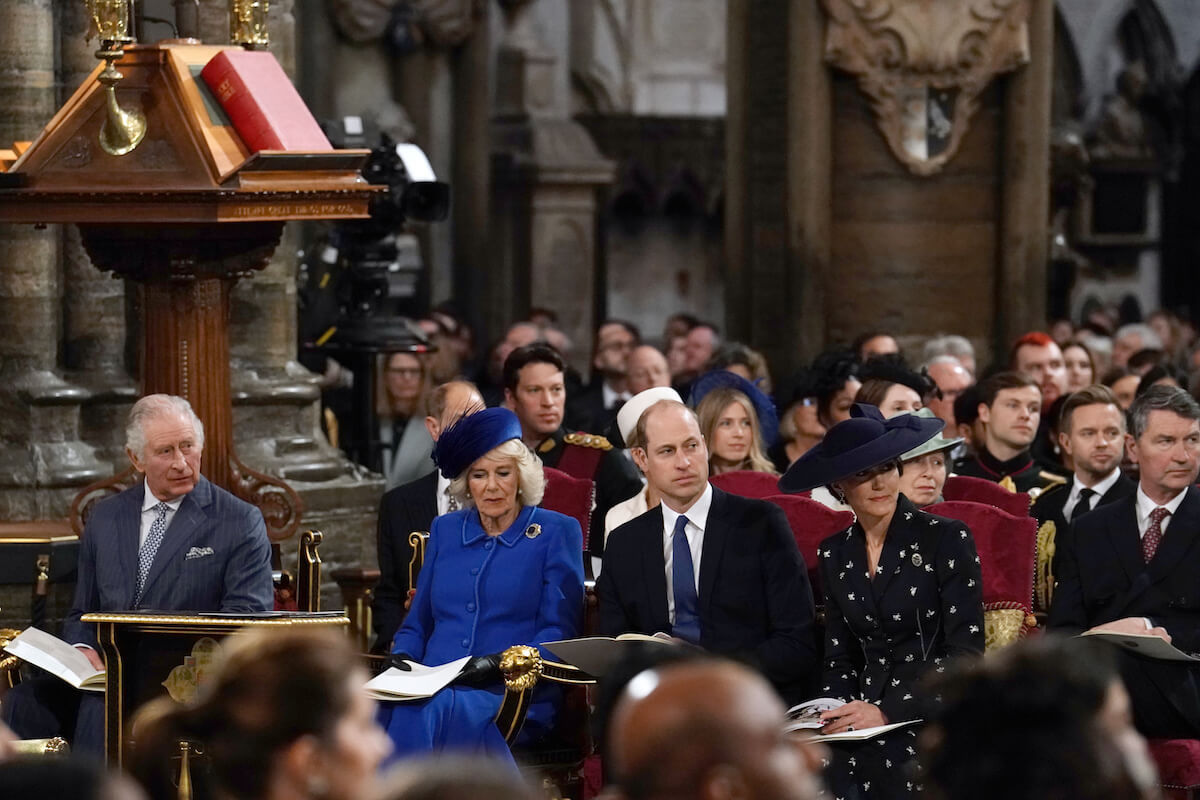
(903, 596)
(497, 573)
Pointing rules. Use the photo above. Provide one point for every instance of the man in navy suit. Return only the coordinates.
(712, 568)
(174, 542)
(1131, 566)
(1092, 432)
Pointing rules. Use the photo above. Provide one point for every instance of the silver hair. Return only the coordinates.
(949, 344)
(1161, 398)
(1149, 339)
(151, 407)
(531, 480)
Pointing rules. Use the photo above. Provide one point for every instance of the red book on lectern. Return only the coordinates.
(263, 105)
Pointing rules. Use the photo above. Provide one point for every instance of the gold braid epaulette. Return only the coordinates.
(588, 440)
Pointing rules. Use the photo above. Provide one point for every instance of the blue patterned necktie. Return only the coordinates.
(683, 583)
(149, 548)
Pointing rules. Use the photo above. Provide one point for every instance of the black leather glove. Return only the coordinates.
(399, 661)
(480, 671)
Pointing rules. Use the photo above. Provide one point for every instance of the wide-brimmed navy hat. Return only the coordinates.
(473, 436)
(865, 440)
(764, 409)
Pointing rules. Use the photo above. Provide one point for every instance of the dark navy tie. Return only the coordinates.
(683, 583)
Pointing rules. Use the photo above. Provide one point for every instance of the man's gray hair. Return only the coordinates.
(1150, 340)
(1161, 398)
(151, 407)
(949, 344)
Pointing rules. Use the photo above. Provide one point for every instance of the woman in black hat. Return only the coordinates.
(903, 596)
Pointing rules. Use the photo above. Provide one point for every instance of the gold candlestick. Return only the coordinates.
(248, 23)
(123, 130)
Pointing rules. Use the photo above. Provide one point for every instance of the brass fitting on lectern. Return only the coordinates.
(123, 130)
(248, 23)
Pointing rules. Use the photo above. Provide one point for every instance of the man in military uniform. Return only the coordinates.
(1010, 406)
(534, 389)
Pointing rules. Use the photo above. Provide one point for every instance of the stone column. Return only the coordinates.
(546, 175)
(42, 460)
(777, 179)
(1025, 246)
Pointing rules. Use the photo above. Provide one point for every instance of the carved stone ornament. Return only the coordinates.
(924, 63)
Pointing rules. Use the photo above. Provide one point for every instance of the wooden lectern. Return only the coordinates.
(151, 654)
(185, 212)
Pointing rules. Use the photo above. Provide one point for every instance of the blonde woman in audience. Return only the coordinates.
(738, 422)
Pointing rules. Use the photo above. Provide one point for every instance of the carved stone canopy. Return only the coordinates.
(924, 63)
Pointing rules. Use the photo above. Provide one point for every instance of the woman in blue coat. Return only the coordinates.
(497, 573)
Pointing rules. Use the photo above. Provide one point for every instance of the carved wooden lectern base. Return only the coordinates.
(186, 273)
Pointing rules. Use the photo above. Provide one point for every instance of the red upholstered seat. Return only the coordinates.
(747, 483)
(811, 523)
(1007, 546)
(977, 490)
(1178, 763)
(569, 495)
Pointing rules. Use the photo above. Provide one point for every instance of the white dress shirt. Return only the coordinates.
(697, 519)
(443, 494)
(148, 514)
(1100, 488)
(611, 397)
(1145, 505)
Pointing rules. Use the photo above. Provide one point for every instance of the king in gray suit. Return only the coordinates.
(174, 542)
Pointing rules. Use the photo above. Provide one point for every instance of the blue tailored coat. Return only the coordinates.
(478, 595)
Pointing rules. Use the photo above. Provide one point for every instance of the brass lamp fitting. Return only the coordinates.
(248, 23)
(122, 130)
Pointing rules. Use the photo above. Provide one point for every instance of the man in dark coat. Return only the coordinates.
(733, 582)
(1130, 567)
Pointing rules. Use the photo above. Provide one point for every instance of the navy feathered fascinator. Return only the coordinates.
(472, 437)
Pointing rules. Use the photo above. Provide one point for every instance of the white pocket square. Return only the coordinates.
(198, 552)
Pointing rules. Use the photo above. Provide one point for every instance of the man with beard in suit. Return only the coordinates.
(1092, 433)
(708, 567)
(1131, 566)
(412, 507)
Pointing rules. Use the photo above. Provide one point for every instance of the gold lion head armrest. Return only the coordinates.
(522, 667)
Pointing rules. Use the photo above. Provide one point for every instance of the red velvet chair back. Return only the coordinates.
(747, 483)
(977, 490)
(1007, 546)
(569, 495)
(811, 523)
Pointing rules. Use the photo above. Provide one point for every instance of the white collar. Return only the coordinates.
(1145, 505)
(696, 513)
(1101, 487)
(149, 501)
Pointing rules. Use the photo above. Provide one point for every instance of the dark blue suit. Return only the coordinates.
(1102, 577)
(215, 556)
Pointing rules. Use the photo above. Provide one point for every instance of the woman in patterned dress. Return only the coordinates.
(903, 596)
